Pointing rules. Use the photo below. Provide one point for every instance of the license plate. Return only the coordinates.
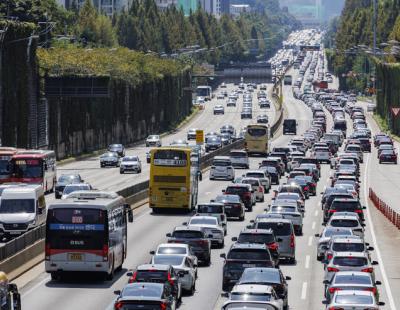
(75, 257)
(228, 207)
(249, 265)
(14, 233)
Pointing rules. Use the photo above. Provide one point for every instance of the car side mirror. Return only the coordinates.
(181, 274)
(252, 191)
(323, 224)
(184, 223)
(212, 200)
(317, 235)
(223, 191)
(279, 239)
(370, 248)
(288, 278)
(326, 282)
(381, 303)
(234, 239)
(129, 274)
(378, 283)
(117, 292)
(252, 221)
(169, 235)
(249, 226)
(225, 294)
(374, 263)
(364, 207)
(363, 225)
(152, 252)
(222, 255)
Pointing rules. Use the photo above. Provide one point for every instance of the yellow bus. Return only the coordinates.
(257, 139)
(174, 178)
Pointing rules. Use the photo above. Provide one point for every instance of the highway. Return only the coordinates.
(148, 230)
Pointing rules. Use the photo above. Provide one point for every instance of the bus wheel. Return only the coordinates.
(55, 276)
(110, 276)
(156, 211)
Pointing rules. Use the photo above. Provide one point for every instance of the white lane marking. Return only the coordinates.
(316, 213)
(377, 251)
(310, 239)
(307, 262)
(313, 225)
(35, 286)
(304, 291)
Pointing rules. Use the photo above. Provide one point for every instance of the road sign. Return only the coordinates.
(199, 136)
(395, 111)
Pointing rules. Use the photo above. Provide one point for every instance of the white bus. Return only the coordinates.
(204, 92)
(87, 232)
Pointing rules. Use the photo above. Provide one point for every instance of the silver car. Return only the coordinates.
(347, 221)
(211, 226)
(264, 178)
(354, 300)
(326, 236)
(346, 244)
(239, 158)
(109, 159)
(290, 212)
(180, 263)
(130, 163)
(349, 261)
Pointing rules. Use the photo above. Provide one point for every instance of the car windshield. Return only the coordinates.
(187, 234)
(237, 155)
(348, 247)
(203, 221)
(256, 132)
(151, 275)
(210, 209)
(236, 190)
(344, 223)
(153, 137)
(337, 232)
(287, 196)
(353, 279)
(222, 163)
(168, 260)
(73, 188)
(255, 175)
(250, 296)
(283, 209)
(171, 250)
(350, 261)
(256, 238)
(68, 179)
(227, 198)
(143, 291)
(249, 254)
(345, 205)
(354, 299)
(260, 276)
(130, 159)
(17, 206)
(279, 229)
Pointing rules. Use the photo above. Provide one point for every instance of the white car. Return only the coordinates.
(222, 168)
(347, 221)
(175, 249)
(221, 96)
(256, 186)
(130, 163)
(211, 226)
(180, 263)
(290, 211)
(153, 140)
(239, 158)
(349, 299)
(70, 188)
(322, 154)
(253, 296)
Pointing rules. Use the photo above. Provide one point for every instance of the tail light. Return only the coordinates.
(369, 269)
(332, 211)
(359, 211)
(105, 252)
(163, 306)
(371, 289)
(201, 242)
(261, 189)
(47, 251)
(292, 243)
(332, 290)
(332, 269)
(133, 278)
(329, 256)
(273, 246)
(247, 195)
(306, 188)
(170, 280)
(118, 305)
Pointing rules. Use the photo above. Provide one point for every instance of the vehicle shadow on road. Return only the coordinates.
(86, 280)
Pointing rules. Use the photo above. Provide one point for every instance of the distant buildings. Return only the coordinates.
(237, 9)
(109, 7)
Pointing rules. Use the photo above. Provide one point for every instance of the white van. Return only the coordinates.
(22, 208)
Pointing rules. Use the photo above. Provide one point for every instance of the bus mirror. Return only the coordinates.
(199, 175)
(130, 216)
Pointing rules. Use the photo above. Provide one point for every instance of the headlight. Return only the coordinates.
(33, 222)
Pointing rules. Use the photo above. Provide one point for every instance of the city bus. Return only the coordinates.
(35, 166)
(6, 153)
(205, 92)
(87, 232)
(174, 178)
(257, 139)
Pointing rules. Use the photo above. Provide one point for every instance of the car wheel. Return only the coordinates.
(55, 276)
(121, 172)
(193, 290)
(262, 199)
(225, 287)
(241, 218)
(292, 260)
(140, 171)
(250, 209)
(110, 275)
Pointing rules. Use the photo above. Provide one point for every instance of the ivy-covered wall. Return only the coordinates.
(18, 84)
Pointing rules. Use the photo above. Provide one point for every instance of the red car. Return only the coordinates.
(388, 156)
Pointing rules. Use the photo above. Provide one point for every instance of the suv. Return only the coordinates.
(284, 231)
(213, 143)
(234, 207)
(262, 176)
(164, 274)
(222, 168)
(239, 159)
(240, 257)
(196, 238)
(214, 209)
(344, 204)
(261, 236)
(290, 126)
(191, 134)
(245, 192)
(117, 148)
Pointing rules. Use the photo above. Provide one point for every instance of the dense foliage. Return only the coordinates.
(356, 28)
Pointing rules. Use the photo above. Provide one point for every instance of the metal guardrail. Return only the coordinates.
(22, 242)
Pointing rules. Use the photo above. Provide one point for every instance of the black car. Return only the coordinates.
(164, 274)
(273, 173)
(145, 296)
(117, 148)
(196, 238)
(64, 180)
(337, 194)
(365, 144)
(260, 236)
(245, 193)
(290, 126)
(213, 143)
(268, 276)
(344, 205)
(240, 257)
(234, 207)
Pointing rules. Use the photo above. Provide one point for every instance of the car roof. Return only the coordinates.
(153, 267)
(354, 292)
(173, 245)
(274, 220)
(345, 217)
(345, 200)
(212, 203)
(348, 254)
(188, 228)
(206, 217)
(352, 239)
(256, 246)
(256, 231)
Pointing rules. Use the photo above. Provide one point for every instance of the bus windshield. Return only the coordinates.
(257, 132)
(76, 229)
(203, 91)
(170, 158)
(28, 168)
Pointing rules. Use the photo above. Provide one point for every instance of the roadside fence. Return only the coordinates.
(387, 211)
